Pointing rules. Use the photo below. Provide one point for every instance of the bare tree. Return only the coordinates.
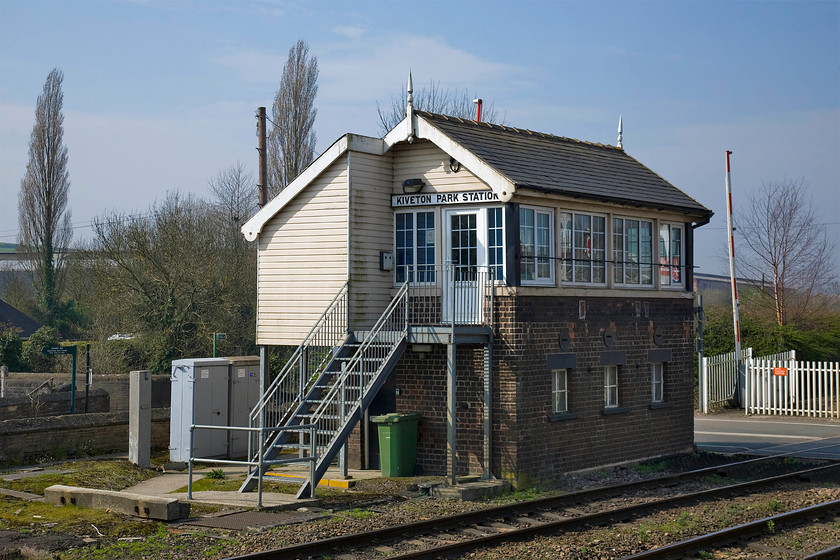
(788, 255)
(233, 194)
(434, 99)
(291, 141)
(44, 220)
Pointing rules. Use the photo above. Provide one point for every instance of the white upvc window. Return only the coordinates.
(657, 376)
(632, 252)
(611, 387)
(671, 254)
(414, 245)
(560, 390)
(583, 249)
(496, 243)
(536, 244)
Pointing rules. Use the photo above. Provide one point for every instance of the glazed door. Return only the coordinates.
(465, 254)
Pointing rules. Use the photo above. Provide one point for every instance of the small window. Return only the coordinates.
(611, 387)
(560, 390)
(670, 254)
(536, 246)
(496, 243)
(657, 382)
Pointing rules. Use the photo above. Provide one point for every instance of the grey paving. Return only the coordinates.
(734, 432)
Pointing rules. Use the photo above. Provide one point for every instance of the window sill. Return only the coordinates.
(616, 410)
(656, 405)
(559, 416)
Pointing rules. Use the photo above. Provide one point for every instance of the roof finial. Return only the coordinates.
(409, 110)
(620, 131)
(410, 107)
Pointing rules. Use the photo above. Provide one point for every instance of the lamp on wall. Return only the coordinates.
(411, 186)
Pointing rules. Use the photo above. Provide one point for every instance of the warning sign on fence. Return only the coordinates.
(779, 371)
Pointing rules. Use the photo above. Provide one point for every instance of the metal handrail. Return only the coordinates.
(377, 347)
(261, 462)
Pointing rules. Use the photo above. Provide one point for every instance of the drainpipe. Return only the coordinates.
(451, 470)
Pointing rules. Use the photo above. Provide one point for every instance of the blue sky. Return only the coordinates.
(161, 96)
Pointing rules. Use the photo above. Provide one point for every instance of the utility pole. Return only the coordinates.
(263, 159)
(741, 378)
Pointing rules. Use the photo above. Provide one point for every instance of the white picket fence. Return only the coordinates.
(774, 385)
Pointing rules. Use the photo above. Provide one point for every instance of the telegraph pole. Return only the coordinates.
(263, 159)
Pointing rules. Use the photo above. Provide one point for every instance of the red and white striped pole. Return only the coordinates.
(735, 319)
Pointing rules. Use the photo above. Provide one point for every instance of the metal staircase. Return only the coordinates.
(329, 381)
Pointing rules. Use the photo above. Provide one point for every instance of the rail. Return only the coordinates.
(450, 294)
(260, 463)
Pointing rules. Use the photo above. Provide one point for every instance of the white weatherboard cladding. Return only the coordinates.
(303, 258)
(427, 161)
(371, 232)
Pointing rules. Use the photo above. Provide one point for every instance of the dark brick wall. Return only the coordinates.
(530, 444)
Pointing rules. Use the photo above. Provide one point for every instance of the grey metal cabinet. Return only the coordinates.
(199, 396)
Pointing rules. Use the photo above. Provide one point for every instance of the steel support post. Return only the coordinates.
(451, 470)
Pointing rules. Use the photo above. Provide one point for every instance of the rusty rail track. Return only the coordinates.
(745, 531)
(473, 527)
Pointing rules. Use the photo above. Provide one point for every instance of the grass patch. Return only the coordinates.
(17, 515)
(160, 545)
(523, 495)
(651, 467)
(358, 513)
(102, 475)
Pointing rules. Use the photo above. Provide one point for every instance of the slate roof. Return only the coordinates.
(554, 164)
(11, 316)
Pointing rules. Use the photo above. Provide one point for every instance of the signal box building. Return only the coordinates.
(529, 295)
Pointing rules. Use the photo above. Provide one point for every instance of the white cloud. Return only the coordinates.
(349, 31)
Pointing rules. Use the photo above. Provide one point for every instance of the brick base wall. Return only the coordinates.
(531, 444)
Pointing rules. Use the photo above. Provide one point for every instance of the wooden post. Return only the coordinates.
(263, 165)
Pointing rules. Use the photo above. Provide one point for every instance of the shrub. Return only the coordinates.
(11, 348)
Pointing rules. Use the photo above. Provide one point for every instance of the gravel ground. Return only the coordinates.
(383, 502)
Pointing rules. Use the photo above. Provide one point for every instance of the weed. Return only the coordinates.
(776, 505)
(651, 467)
(358, 513)
(717, 479)
(771, 527)
(705, 555)
(643, 535)
(216, 474)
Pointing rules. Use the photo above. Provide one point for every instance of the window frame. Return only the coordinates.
(557, 392)
(668, 269)
(611, 390)
(657, 382)
(495, 229)
(623, 260)
(430, 272)
(539, 261)
(574, 240)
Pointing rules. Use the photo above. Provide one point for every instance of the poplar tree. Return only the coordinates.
(44, 220)
(291, 140)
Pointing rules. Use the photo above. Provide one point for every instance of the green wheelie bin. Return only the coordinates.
(397, 443)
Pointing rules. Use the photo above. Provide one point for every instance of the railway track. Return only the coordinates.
(460, 534)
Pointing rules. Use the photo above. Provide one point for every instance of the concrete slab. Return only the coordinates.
(270, 500)
(30, 472)
(148, 507)
(472, 491)
(21, 495)
(255, 520)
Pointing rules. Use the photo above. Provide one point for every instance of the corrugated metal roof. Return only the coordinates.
(548, 163)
